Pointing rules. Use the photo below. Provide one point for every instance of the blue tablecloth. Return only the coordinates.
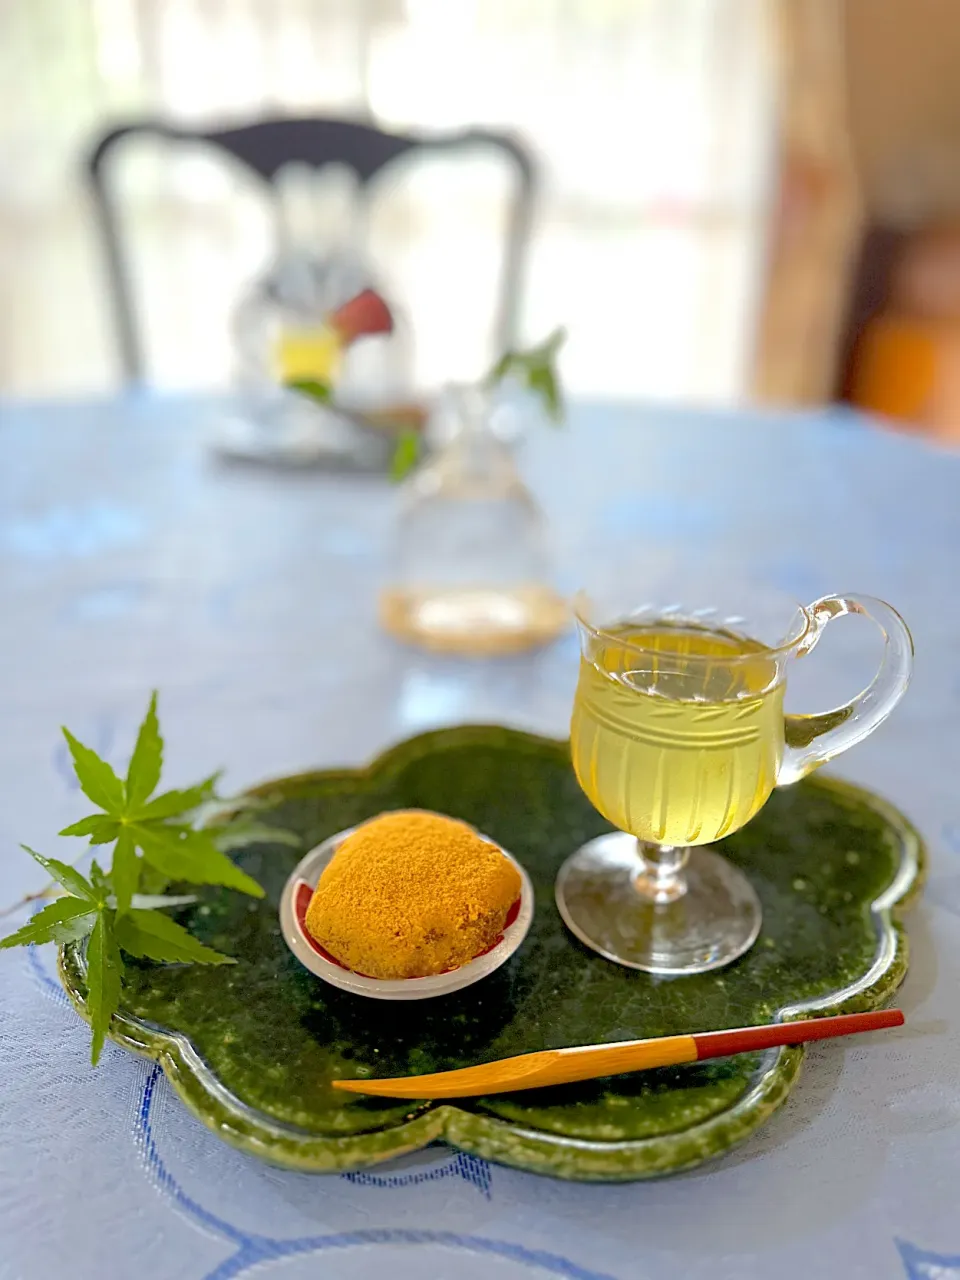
(130, 558)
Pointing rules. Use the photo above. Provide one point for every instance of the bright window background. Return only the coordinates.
(651, 120)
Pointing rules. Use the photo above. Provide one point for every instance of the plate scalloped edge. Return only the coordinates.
(488, 1136)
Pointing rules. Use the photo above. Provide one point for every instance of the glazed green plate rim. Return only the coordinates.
(489, 1136)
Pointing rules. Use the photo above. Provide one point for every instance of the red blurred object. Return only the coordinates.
(367, 313)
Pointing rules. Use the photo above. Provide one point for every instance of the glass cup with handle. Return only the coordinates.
(678, 738)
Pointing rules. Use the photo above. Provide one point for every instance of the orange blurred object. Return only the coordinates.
(906, 364)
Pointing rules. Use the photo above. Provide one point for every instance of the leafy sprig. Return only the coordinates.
(154, 842)
(535, 369)
(147, 827)
(312, 388)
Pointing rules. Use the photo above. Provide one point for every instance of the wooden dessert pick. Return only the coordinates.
(587, 1062)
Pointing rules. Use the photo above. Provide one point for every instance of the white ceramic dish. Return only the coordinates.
(297, 892)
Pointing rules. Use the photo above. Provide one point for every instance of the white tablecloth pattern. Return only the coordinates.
(129, 557)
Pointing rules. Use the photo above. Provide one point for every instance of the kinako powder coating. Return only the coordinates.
(410, 894)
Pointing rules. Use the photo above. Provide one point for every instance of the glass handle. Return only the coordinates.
(813, 740)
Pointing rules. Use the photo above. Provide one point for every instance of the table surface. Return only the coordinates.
(131, 558)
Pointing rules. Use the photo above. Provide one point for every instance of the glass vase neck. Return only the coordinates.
(467, 447)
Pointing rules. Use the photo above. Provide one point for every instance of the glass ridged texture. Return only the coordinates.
(685, 754)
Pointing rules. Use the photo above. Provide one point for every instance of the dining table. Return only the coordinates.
(133, 557)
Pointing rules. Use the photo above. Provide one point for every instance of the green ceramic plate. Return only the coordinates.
(251, 1048)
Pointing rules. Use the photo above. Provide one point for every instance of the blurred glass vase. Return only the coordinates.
(282, 328)
(297, 338)
(470, 570)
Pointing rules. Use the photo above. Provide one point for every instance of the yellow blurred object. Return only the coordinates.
(315, 353)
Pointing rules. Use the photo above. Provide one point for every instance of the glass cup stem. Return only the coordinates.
(661, 876)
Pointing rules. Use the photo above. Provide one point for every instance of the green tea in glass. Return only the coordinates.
(678, 737)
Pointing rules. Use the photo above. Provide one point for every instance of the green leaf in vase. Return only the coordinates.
(313, 388)
(535, 369)
(406, 455)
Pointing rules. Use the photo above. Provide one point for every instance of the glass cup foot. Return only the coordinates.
(716, 920)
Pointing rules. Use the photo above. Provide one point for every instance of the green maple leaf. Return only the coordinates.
(151, 880)
(125, 870)
(143, 772)
(100, 881)
(173, 804)
(180, 853)
(156, 825)
(66, 876)
(98, 782)
(104, 975)
(100, 828)
(156, 937)
(154, 844)
(64, 920)
(83, 910)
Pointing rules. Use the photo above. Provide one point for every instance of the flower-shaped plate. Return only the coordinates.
(252, 1048)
